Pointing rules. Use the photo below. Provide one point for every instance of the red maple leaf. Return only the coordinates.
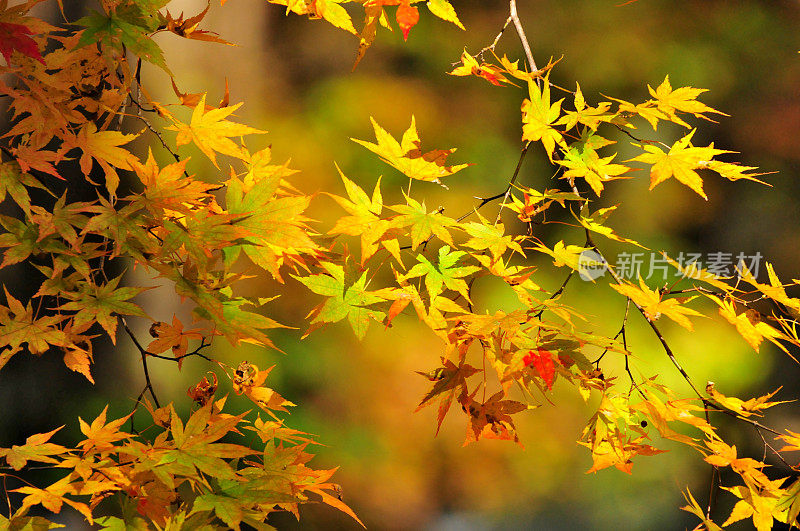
(542, 361)
(15, 37)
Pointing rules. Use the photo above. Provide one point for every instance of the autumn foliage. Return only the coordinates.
(76, 104)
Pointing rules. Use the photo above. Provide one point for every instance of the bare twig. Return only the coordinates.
(144, 354)
(512, 5)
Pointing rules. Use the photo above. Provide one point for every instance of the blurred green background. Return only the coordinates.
(358, 398)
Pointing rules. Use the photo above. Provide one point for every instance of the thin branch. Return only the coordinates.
(512, 5)
(653, 326)
(492, 46)
(774, 451)
(513, 180)
(144, 354)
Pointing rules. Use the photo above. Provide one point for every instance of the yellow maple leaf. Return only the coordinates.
(539, 115)
(680, 162)
(655, 306)
(682, 99)
(748, 324)
(211, 132)
(744, 408)
(104, 147)
(407, 157)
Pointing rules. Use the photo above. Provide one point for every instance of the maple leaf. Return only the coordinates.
(276, 230)
(744, 408)
(364, 218)
(407, 17)
(582, 160)
(696, 510)
(680, 162)
(535, 202)
(172, 337)
(14, 182)
(17, 37)
(423, 224)
(101, 436)
(470, 67)
(543, 362)
(102, 146)
(735, 172)
(248, 380)
(492, 418)
(102, 304)
(573, 256)
(614, 437)
(195, 444)
(444, 274)
(444, 10)
(492, 238)
(345, 300)
(126, 28)
(449, 379)
(36, 448)
(683, 99)
(30, 158)
(595, 223)
(188, 28)
(79, 359)
(211, 132)
(539, 116)
(407, 157)
(170, 188)
(52, 498)
(748, 323)
(647, 110)
(654, 305)
(591, 117)
(774, 290)
(761, 506)
(18, 326)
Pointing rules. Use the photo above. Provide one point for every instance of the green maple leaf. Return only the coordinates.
(444, 274)
(228, 509)
(13, 181)
(126, 227)
(237, 322)
(126, 28)
(61, 219)
(582, 160)
(21, 240)
(490, 237)
(423, 224)
(195, 446)
(102, 304)
(275, 225)
(344, 299)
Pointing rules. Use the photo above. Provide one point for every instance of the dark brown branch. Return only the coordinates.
(144, 354)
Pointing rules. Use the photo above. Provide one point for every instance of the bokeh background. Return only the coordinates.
(359, 398)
